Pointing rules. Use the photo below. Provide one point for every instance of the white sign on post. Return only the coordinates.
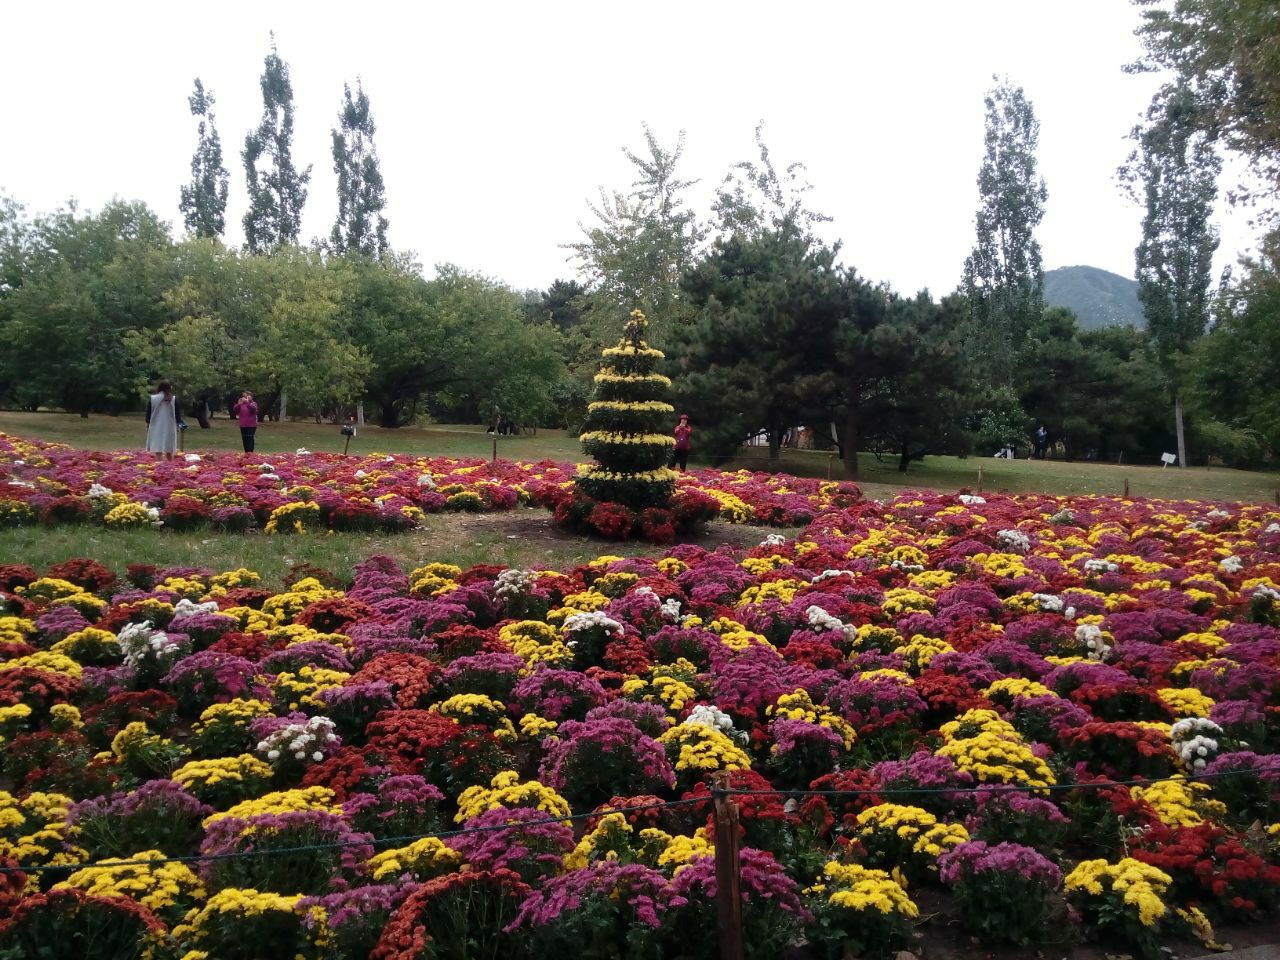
(1167, 458)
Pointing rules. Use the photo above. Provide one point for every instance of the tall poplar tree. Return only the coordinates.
(204, 200)
(360, 226)
(1004, 276)
(277, 189)
(1175, 168)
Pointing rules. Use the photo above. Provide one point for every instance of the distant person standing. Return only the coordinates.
(684, 442)
(1042, 441)
(246, 412)
(162, 421)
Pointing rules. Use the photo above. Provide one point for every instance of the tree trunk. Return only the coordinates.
(775, 443)
(359, 413)
(388, 414)
(1182, 437)
(284, 405)
(202, 414)
(849, 444)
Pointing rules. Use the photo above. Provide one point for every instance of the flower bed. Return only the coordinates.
(1026, 709)
(301, 492)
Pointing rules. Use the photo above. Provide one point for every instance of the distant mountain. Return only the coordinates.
(1099, 298)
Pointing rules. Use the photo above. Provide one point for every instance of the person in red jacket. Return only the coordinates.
(246, 411)
(684, 442)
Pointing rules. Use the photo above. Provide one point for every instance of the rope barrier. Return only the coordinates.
(714, 794)
(998, 787)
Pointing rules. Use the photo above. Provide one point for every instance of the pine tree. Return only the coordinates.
(278, 192)
(360, 226)
(626, 426)
(204, 200)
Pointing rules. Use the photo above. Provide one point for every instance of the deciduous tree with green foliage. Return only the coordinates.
(277, 189)
(204, 199)
(456, 343)
(1234, 371)
(1004, 276)
(1227, 54)
(755, 198)
(86, 280)
(643, 241)
(360, 227)
(1174, 169)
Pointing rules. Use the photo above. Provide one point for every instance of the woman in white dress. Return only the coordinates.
(162, 421)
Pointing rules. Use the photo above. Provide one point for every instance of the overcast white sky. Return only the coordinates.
(498, 121)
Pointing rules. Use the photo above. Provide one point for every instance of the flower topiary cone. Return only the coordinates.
(627, 424)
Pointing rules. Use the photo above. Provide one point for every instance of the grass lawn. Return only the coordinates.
(525, 537)
(879, 478)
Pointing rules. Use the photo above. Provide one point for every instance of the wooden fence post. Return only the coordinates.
(979, 478)
(728, 870)
(1126, 487)
(495, 444)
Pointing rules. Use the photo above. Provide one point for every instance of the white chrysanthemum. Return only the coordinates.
(98, 490)
(830, 574)
(1048, 602)
(1231, 564)
(705, 715)
(300, 740)
(188, 608)
(513, 583)
(1196, 741)
(594, 620)
(302, 452)
(1014, 540)
(820, 620)
(773, 540)
(1094, 640)
(972, 500)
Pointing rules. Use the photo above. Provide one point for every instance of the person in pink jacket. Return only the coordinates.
(684, 442)
(246, 411)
